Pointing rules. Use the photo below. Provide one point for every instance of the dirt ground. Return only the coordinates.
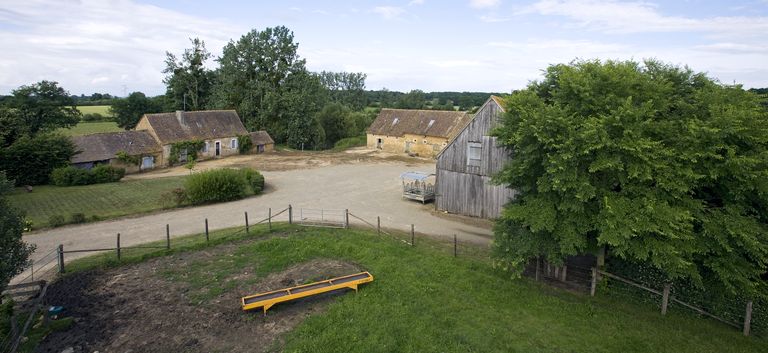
(135, 309)
(282, 160)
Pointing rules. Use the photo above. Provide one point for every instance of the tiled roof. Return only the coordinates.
(438, 123)
(102, 146)
(203, 125)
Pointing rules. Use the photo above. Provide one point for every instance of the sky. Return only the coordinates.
(119, 47)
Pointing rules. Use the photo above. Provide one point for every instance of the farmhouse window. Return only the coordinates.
(205, 147)
(233, 143)
(474, 153)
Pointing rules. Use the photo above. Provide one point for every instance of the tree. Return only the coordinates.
(263, 78)
(43, 106)
(333, 118)
(656, 163)
(412, 100)
(128, 111)
(187, 80)
(346, 88)
(30, 160)
(13, 251)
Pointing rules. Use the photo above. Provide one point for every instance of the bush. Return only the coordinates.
(30, 160)
(244, 144)
(77, 218)
(90, 117)
(174, 198)
(69, 176)
(216, 186)
(255, 180)
(107, 174)
(56, 221)
(349, 142)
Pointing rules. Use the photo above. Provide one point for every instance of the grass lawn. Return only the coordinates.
(99, 109)
(101, 200)
(425, 300)
(84, 128)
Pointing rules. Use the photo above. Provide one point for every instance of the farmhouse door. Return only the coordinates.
(378, 143)
(218, 148)
(147, 162)
(407, 146)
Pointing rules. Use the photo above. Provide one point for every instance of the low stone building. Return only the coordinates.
(140, 148)
(416, 132)
(262, 142)
(217, 130)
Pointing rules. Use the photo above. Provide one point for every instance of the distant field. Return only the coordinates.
(91, 128)
(101, 200)
(89, 109)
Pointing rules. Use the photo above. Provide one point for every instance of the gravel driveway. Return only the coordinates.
(366, 189)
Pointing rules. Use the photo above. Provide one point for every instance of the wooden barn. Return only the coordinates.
(417, 132)
(466, 165)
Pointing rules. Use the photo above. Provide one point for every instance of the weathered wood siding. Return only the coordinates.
(467, 189)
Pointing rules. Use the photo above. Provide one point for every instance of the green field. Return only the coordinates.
(90, 109)
(101, 200)
(425, 300)
(84, 128)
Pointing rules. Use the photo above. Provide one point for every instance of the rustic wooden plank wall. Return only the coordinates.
(470, 191)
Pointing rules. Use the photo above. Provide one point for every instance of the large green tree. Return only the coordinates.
(187, 80)
(128, 111)
(347, 88)
(40, 107)
(262, 77)
(13, 251)
(656, 163)
(30, 160)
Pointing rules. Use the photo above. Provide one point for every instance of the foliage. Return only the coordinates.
(30, 160)
(263, 78)
(42, 107)
(91, 117)
(177, 197)
(216, 185)
(255, 180)
(332, 119)
(126, 158)
(657, 163)
(190, 165)
(346, 88)
(128, 111)
(349, 142)
(188, 80)
(356, 123)
(414, 99)
(73, 176)
(14, 252)
(191, 147)
(244, 144)
(77, 218)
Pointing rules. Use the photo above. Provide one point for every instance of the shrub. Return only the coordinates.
(254, 178)
(216, 186)
(244, 144)
(107, 174)
(30, 160)
(76, 218)
(349, 142)
(94, 117)
(174, 198)
(56, 221)
(69, 176)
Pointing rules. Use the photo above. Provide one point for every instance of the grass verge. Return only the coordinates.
(425, 300)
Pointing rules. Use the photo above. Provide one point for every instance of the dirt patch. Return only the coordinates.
(135, 309)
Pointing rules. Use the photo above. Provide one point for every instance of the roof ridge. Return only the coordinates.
(428, 110)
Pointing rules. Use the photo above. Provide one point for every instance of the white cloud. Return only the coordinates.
(484, 4)
(415, 2)
(114, 43)
(388, 12)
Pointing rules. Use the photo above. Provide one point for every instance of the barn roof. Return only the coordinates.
(499, 102)
(203, 125)
(438, 123)
(102, 146)
(261, 138)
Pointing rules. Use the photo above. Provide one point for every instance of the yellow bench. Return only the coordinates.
(268, 299)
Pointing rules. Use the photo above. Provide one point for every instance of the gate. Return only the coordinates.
(311, 217)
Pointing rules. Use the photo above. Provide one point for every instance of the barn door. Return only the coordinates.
(408, 146)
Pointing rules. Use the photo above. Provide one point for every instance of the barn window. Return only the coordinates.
(205, 147)
(233, 144)
(474, 153)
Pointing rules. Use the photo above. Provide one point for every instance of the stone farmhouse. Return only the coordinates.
(151, 144)
(416, 132)
(466, 165)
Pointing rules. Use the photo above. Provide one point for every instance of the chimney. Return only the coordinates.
(180, 117)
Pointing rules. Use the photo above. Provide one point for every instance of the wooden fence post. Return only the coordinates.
(748, 318)
(378, 225)
(118, 246)
(290, 214)
(346, 218)
(61, 258)
(413, 235)
(269, 219)
(455, 246)
(206, 230)
(167, 238)
(665, 298)
(247, 228)
(593, 288)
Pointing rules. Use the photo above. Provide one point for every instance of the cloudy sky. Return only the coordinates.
(455, 45)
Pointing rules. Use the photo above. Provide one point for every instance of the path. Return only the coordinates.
(366, 189)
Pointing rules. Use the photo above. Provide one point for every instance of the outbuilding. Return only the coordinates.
(422, 133)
